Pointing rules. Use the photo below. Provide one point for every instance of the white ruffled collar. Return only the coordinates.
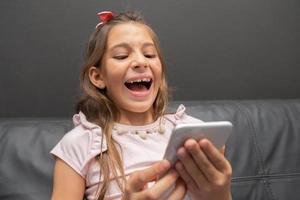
(142, 131)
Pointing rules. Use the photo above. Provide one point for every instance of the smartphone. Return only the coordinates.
(217, 132)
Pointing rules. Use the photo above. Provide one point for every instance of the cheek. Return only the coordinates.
(156, 65)
(158, 71)
(113, 73)
(159, 79)
(115, 80)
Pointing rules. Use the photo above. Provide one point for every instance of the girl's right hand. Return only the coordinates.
(136, 186)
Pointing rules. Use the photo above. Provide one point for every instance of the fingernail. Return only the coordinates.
(204, 143)
(164, 164)
(181, 152)
(178, 166)
(174, 173)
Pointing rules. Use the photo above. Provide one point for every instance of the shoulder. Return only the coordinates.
(81, 144)
(180, 116)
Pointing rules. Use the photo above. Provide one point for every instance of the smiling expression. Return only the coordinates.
(131, 71)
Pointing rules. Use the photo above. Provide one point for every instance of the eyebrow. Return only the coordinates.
(127, 46)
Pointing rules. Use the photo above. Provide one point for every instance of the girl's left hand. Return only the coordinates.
(205, 170)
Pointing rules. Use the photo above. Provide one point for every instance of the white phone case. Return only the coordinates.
(216, 132)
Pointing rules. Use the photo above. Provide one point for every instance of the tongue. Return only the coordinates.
(137, 87)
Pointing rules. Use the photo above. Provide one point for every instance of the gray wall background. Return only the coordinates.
(232, 49)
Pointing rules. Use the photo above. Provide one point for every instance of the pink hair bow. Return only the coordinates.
(104, 17)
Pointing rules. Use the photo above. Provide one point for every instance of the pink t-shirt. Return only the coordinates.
(142, 146)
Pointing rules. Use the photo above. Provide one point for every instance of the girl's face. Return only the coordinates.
(131, 72)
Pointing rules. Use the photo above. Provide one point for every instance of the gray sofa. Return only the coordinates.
(264, 149)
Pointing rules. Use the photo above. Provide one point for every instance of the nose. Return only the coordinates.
(139, 62)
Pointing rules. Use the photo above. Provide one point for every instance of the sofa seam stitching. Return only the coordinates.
(270, 176)
(257, 150)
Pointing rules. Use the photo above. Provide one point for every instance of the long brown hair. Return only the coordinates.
(98, 107)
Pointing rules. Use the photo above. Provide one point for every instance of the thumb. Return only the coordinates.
(139, 179)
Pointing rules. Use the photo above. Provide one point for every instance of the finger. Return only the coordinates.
(190, 183)
(222, 150)
(179, 192)
(191, 168)
(139, 179)
(208, 169)
(218, 160)
(164, 184)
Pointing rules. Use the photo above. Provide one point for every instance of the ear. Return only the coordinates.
(96, 77)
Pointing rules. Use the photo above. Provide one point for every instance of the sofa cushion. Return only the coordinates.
(25, 164)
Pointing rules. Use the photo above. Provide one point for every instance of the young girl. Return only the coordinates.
(121, 130)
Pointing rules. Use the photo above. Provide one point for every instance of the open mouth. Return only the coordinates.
(139, 84)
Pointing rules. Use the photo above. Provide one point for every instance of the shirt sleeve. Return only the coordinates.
(190, 119)
(73, 149)
(79, 146)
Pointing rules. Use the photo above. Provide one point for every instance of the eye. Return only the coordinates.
(150, 55)
(120, 57)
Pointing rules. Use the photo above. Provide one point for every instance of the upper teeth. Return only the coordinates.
(140, 80)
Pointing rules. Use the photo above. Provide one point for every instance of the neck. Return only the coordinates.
(136, 119)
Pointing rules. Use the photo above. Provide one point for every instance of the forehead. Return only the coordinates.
(130, 32)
